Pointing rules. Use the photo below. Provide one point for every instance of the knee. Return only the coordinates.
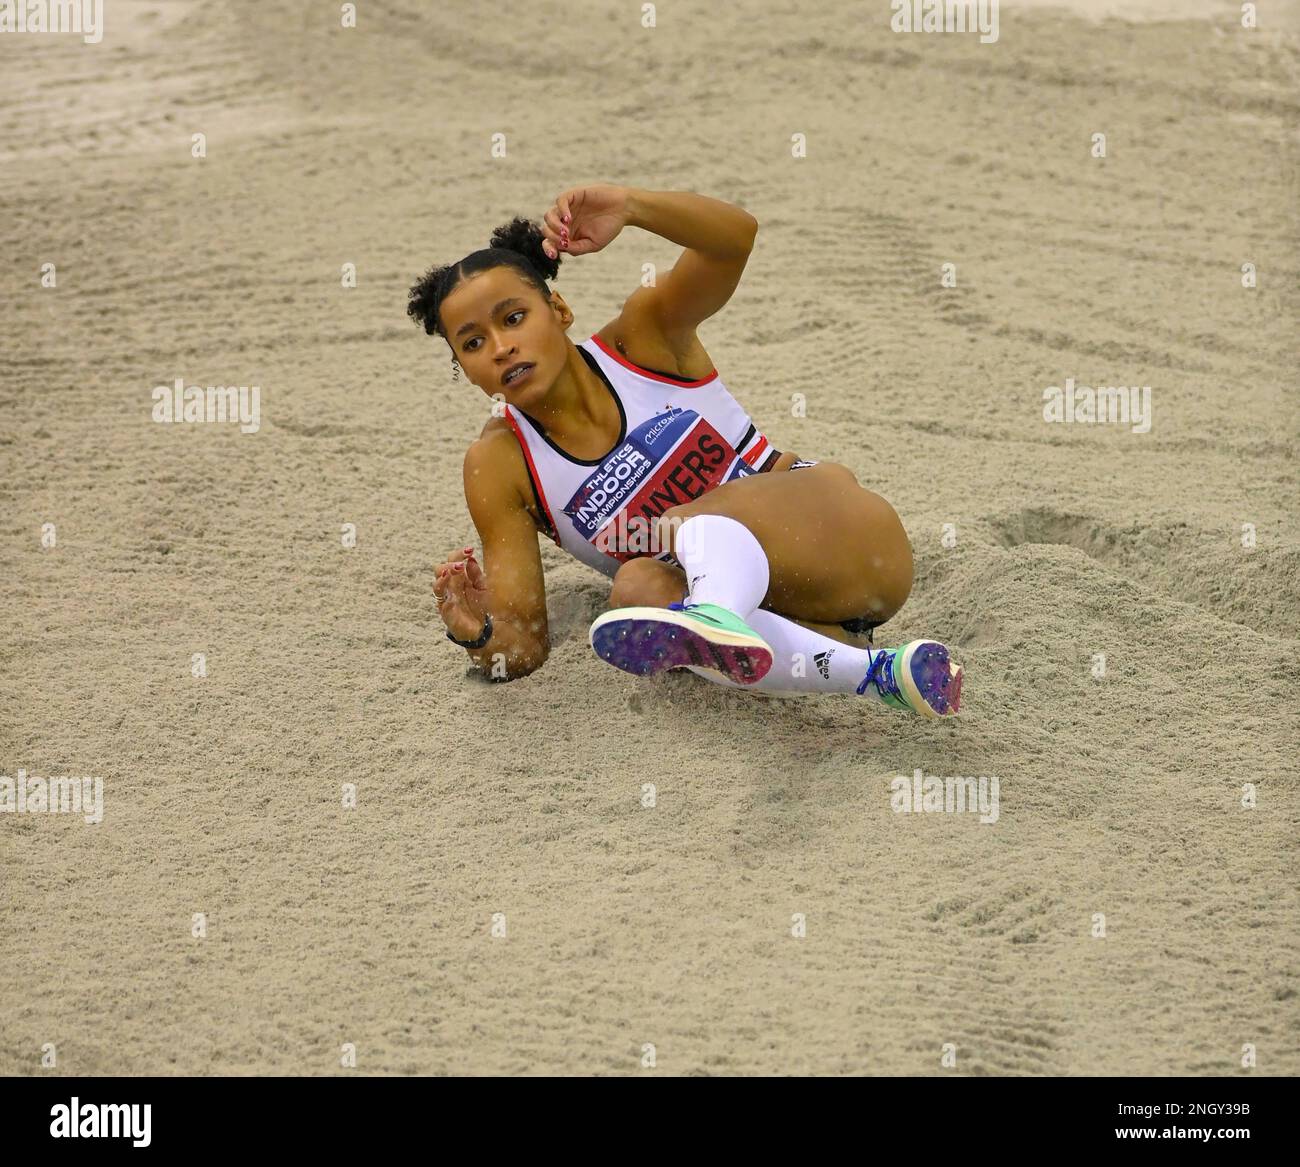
(885, 553)
(891, 555)
(839, 470)
(647, 582)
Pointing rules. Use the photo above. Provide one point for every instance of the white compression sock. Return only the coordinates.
(724, 563)
(828, 666)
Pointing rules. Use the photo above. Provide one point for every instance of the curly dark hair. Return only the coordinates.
(518, 244)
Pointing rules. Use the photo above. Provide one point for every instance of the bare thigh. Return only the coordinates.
(835, 550)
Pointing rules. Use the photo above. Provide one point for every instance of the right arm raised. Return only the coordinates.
(512, 561)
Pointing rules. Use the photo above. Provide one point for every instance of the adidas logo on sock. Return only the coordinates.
(823, 662)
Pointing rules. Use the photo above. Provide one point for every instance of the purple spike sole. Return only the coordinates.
(645, 647)
(936, 678)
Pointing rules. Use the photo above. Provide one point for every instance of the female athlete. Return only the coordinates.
(750, 567)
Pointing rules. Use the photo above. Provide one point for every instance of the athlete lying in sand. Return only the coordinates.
(628, 451)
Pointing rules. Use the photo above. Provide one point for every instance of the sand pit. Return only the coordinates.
(131, 546)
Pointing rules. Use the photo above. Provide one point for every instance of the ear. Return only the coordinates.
(562, 310)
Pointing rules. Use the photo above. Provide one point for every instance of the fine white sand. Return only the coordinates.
(628, 926)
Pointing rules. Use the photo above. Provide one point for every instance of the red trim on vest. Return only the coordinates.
(753, 454)
(537, 478)
(622, 360)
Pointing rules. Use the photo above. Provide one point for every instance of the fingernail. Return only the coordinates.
(568, 218)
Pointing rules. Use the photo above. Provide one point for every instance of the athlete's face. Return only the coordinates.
(495, 320)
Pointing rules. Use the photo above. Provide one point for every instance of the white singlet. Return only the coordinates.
(677, 439)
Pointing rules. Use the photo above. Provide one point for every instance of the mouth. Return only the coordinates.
(516, 373)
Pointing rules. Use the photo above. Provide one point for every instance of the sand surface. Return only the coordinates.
(669, 926)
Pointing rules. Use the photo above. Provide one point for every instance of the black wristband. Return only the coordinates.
(481, 641)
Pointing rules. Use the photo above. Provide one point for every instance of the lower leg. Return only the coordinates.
(807, 657)
(805, 660)
(655, 584)
(918, 676)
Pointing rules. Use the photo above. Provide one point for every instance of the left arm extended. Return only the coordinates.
(718, 238)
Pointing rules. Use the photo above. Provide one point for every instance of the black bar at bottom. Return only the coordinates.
(364, 1114)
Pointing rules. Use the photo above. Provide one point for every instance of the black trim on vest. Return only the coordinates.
(545, 524)
(622, 418)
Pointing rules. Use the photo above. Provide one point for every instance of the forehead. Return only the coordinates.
(473, 298)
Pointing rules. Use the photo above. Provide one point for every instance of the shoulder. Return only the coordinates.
(494, 425)
(636, 334)
(493, 462)
(497, 482)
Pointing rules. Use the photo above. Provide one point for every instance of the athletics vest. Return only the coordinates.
(677, 440)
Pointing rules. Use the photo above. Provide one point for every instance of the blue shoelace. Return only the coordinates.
(876, 675)
(678, 606)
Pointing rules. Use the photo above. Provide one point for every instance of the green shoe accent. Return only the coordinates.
(918, 677)
(713, 616)
(646, 640)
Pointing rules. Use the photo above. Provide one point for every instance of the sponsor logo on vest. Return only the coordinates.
(659, 426)
(617, 507)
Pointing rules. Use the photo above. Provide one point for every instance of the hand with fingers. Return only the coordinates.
(460, 589)
(585, 219)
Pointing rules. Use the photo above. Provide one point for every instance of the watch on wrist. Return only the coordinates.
(481, 641)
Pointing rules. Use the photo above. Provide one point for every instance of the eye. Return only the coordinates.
(516, 312)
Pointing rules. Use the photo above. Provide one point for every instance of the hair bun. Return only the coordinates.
(525, 237)
(523, 241)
